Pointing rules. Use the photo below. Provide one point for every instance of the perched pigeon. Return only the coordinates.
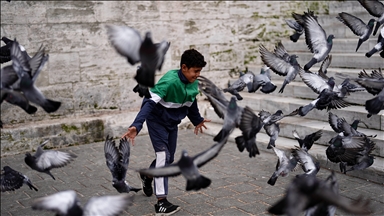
(12, 180)
(376, 9)
(240, 84)
(188, 167)
(379, 46)
(357, 26)
(28, 71)
(316, 40)
(44, 161)
(283, 167)
(324, 208)
(307, 142)
(128, 42)
(117, 160)
(308, 163)
(305, 192)
(325, 64)
(278, 63)
(66, 203)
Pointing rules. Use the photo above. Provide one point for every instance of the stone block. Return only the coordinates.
(62, 12)
(23, 12)
(60, 65)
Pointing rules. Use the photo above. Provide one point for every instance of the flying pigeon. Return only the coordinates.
(357, 26)
(305, 192)
(240, 84)
(283, 167)
(298, 25)
(188, 167)
(364, 159)
(307, 142)
(338, 126)
(316, 40)
(17, 98)
(376, 9)
(12, 180)
(379, 45)
(117, 160)
(307, 162)
(278, 64)
(128, 42)
(28, 71)
(66, 203)
(376, 104)
(263, 80)
(44, 161)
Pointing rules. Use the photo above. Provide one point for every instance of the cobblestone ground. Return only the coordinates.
(239, 183)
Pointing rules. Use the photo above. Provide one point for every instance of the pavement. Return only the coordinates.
(239, 183)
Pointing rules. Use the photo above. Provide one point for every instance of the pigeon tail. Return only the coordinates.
(143, 79)
(304, 110)
(199, 183)
(134, 189)
(51, 106)
(268, 88)
(252, 148)
(295, 37)
(374, 105)
(371, 52)
(271, 143)
(283, 86)
(310, 64)
(31, 109)
(50, 174)
(31, 186)
(238, 96)
(240, 142)
(359, 44)
(272, 180)
(143, 91)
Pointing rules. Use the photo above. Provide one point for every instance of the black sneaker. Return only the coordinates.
(146, 184)
(163, 207)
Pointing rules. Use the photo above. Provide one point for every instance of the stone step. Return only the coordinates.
(373, 173)
(340, 45)
(308, 126)
(352, 7)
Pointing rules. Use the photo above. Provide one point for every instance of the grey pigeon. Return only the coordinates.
(237, 86)
(357, 26)
(284, 165)
(307, 162)
(305, 192)
(12, 180)
(263, 80)
(298, 25)
(117, 160)
(67, 203)
(17, 98)
(364, 159)
(376, 9)
(44, 161)
(375, 105)
(316, 40)
(324, 208)
(337, 124)
(307, 142)
(188, 167)
(142, 90)
(379, 45)
(28, 71)
(128, 42)
(278, 64)
(325, 64)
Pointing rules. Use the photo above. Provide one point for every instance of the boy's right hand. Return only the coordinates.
(131, 134)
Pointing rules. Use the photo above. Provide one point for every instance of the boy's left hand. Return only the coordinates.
(200, 126)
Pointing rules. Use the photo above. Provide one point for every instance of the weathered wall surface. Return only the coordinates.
(86, 74)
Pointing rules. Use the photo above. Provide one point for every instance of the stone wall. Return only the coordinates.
(86, 74)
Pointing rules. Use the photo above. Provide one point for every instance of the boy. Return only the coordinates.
(172, 99)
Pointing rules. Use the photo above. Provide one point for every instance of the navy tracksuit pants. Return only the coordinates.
(164, 141)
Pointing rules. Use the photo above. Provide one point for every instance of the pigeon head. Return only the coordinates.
(148, 36)
(371, 22)
(232, 103)
(330, 38)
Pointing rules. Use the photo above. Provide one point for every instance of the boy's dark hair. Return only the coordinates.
(192, 58)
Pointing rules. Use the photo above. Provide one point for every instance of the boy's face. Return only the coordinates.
(191, 73)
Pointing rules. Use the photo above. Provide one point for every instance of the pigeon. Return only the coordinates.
(376, 9)
(375, 105)
(364, 159)
(279, 65)
(128, 42)
(67, 203)
(5, 51)
(263, 80)
(44, 161)
(379, 45)
(307, 142)
(324, 208)
(240, 84)
(28, 71)
(305, 192)
(17, 98)
(316, 40)
(325, 64)
(330, 95)
(308, 163)
(188, 167)
(284, 165)
(142, 90)
(338, 126)
(117, 160)
(231, 118)
(357, 26)
(12, 180)
(297, 25)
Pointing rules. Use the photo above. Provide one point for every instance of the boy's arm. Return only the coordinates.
(194, 114)
(146, 108)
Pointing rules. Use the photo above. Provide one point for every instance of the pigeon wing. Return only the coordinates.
(8, 76)
(125, 151)
(335, 122)
(59, 202)
(20, 58)
(276, 64)
(107, 205)
(375, 8)
(111, 154)
(357, 26)
(126, 41)
(11, 180)
(315, 36)
(294, 25)
(162, 49)
(250, 123)
(313, 81)
(166, 171)
(204, 157)
(54, 159)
